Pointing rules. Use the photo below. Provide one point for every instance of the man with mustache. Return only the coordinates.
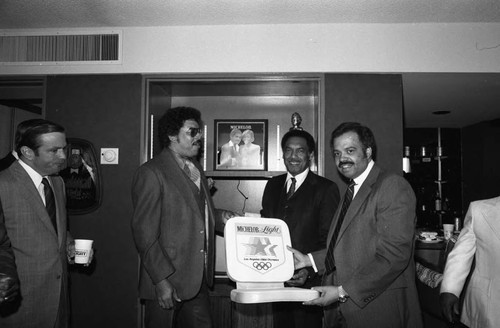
(33, 215)
(306, 202)
(369, 272)
(173, 226)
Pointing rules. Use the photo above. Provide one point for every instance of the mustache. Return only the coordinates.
(197, 142)
(345, 162)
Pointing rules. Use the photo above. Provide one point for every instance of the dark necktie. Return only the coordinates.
(50, 202)
(292, 189)
(330, 260)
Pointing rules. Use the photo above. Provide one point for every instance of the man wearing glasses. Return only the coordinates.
(173, 226)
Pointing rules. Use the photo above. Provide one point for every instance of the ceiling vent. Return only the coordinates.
(59, 48)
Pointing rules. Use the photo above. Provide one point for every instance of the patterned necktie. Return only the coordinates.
(50, 202)
(330, 260)
(192, 172)
(291, 190)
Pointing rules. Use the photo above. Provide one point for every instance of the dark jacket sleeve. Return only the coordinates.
(7, 262)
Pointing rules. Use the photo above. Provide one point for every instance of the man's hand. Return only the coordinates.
(166, 294)
(327, 296)
(300, 260)
(226, 215)
(211, 183)
(70, 253)
(9, 288)
(449, 306)
(299, 278)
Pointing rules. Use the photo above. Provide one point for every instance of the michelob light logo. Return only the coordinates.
(81, 252)
(260, 246)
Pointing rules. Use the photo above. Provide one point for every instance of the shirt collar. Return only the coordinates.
(299, 178)
(181, 161)
(362, 177)
(34, 175)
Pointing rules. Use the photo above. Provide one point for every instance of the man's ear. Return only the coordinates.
(27, 152)
(311, 157)
(369, 152)
(172, 138)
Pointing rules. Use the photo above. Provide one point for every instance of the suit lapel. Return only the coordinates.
(304, 189)
(171, 168)
(490, 214)
(60, 199)
(31, 195)
(205, 192)
(361, 196)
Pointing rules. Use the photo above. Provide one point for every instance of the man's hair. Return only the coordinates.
(365, 136)
(233, 132)
(301, 134)
(28, 133)
(173, 120)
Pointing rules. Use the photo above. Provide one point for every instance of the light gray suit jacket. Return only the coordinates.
(480, 238)
(174, 238)
(40, 253)
(374, 255)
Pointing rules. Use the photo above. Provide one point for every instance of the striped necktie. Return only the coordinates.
(291, 190)
(330, 260)
(192, 172)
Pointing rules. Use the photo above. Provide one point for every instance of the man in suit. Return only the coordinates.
(173, 226)
(308, 212)
(369, 276)
(33, 214)
(230, 151)
(479, 240)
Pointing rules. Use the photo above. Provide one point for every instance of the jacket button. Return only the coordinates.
(201, 251)
(202, 231)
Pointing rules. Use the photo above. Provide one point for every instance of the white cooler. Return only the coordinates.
(258, 261)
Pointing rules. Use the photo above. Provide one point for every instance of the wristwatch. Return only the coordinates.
(342, 295)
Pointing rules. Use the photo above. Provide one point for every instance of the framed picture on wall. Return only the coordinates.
(240, 145)
(81, 177)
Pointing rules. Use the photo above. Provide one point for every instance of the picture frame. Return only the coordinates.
(240, 145)
(81, 177)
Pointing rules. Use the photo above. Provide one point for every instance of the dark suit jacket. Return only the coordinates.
(308, 213)
(6, 161)
(374, 255)
(169, 227)
(40, 253)
(7, 261)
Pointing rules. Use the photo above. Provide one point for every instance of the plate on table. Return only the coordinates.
(432, 241)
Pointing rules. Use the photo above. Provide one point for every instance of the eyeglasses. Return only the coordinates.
(193, 132)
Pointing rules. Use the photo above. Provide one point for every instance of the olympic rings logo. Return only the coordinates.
(262, 265)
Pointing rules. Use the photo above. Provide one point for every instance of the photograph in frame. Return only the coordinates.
(81, 177)
(240, 145)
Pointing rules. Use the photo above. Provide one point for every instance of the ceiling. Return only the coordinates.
(115, 13)
(471, 98)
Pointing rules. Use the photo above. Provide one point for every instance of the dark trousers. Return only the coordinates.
(296, 315)
(334, 319)
(193, 313)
